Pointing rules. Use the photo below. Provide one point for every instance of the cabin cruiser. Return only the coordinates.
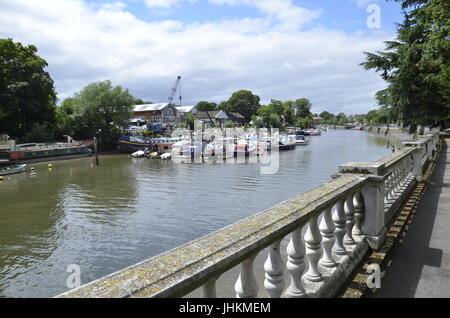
(301, 140)
(286, 143)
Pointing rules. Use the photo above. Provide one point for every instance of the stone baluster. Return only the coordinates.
(312, 240)
(349, 210)
(274, 267)
(296, 265)
(339, 223)
(398, 180)
(404, 181)
(327, 230)
(388, 181)
(391, 188)
(359, 209)
(246, 285)
(209, 288)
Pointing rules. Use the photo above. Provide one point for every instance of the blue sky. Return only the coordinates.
(282, 49)
(342, 14)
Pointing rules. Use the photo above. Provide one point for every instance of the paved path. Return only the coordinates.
(420, 265)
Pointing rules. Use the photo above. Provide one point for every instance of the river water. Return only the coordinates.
(125, 210)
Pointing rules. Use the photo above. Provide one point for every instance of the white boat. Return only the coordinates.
(12, 169)
(138, 154)
(301, 140)
(314, 132)
(166, 156)
(186, 149)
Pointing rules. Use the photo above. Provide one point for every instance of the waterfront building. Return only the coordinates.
(182, 111)
(220, 117)
(160, 113)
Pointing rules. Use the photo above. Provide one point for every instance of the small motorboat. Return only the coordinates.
(314, 132)
(138, 154)
(12, 169)
(301, 140)
(286, 143)
(166, 156)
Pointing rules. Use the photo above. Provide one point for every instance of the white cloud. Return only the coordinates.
(364, 3)
(165, 4)
(83, 43)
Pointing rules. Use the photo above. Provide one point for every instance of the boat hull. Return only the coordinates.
(12, 170)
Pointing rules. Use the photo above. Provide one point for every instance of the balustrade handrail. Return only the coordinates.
(396, 157)
(183, 269)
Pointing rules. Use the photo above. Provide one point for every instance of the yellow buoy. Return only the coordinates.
(50, 165)
(1, 178)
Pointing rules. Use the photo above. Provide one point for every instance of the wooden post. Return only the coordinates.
(96, 150)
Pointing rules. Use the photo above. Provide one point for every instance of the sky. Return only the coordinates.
(278, 49)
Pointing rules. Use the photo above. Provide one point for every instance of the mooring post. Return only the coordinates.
(96, 150)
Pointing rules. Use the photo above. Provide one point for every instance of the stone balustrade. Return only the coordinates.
(329, 230)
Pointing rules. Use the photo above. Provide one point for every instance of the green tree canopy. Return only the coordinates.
(416, 66)
(341, 119)
(27, 95)
(100, 107)
(205, 106)
(243, 102)
(328, 118)
(303, 108)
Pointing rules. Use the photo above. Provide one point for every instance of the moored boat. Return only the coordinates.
(12, 169)
(301, 140)
(286, 143)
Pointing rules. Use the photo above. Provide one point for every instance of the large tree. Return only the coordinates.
(100, 109)
(27, 95)
(243, 102)
(205, 106)
(416, 65)
(303, 108)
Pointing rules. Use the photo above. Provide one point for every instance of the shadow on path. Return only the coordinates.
(420, 266)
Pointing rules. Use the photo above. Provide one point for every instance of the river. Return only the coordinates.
(125, 210)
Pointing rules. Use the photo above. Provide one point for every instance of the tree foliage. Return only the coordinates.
(98, 109)
(243, 102)
(416, 65)
(205, 106)
(27, 95)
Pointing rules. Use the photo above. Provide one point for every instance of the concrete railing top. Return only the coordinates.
(181, 270)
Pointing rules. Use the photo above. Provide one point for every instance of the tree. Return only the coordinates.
(243, 102)
(341, 119)
(305, 122)
(189, 121)
(205, 106)
(303, 108)
(27, 95)
(139, 101)
(328, 118)
(100, 107)
(416, 66)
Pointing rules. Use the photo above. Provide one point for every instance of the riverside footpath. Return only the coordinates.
(419, 265)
